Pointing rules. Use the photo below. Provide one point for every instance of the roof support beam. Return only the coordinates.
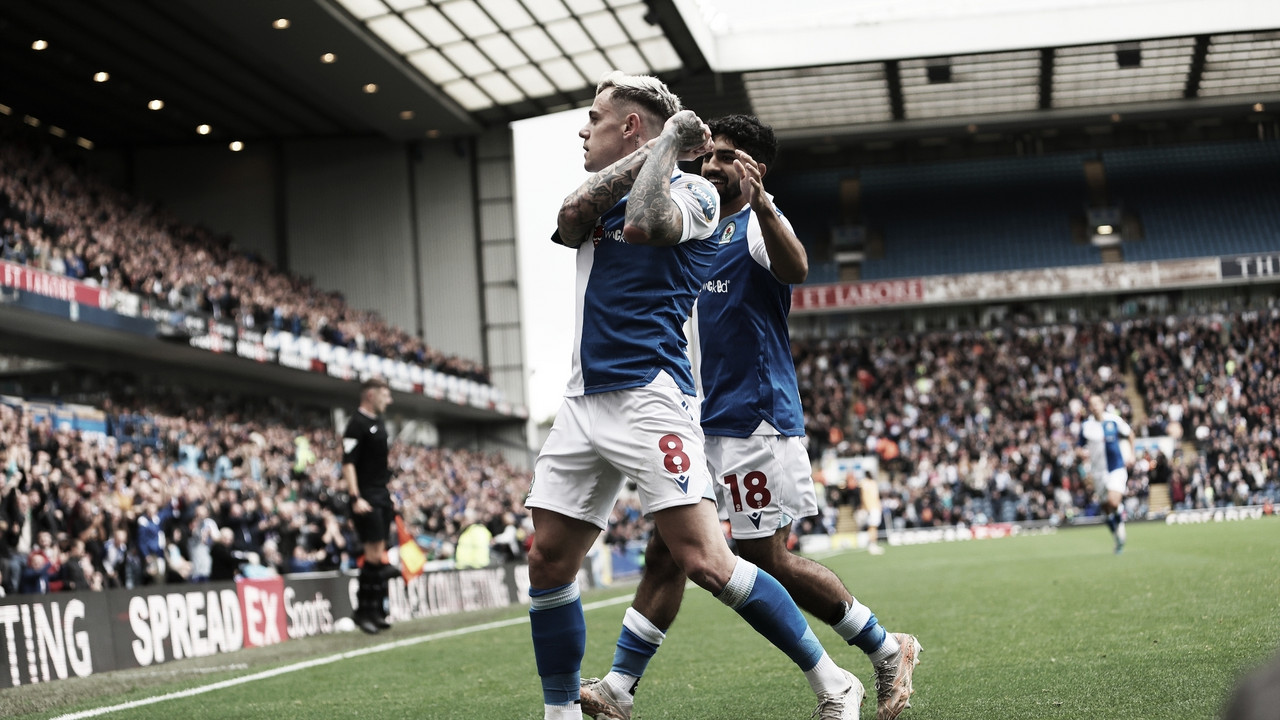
(893, 77)
(1198, 56)
(1046, 78)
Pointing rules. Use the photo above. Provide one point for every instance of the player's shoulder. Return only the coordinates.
(701, 190)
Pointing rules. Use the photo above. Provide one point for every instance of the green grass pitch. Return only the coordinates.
(1051, 626)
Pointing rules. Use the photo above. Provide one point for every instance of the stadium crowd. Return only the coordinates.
(64, 220)
(1213, 379)
(968, 427)
(201, 489)
(981, 426)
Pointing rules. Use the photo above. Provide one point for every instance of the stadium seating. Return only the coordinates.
(1002, 214)
(975, 216)
(1194, 201)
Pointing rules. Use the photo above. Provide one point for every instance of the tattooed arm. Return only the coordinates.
(601, 191)
(652, 218)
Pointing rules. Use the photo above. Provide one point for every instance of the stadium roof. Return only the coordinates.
(251, 69)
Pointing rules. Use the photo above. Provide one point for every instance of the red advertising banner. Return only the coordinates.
(262, 608)
(853, 295)
(47, 284)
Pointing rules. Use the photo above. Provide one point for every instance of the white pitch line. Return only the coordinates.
(327, 660)
(195, 671)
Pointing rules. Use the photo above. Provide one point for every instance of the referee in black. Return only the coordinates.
(365, 446)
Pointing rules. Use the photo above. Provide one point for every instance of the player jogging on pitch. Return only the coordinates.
(1100, 435)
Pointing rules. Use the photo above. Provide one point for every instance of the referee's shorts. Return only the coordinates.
(375, 525)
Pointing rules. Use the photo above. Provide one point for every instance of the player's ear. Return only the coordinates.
(632, 126)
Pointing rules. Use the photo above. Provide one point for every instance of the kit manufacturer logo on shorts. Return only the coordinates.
(683, 482)
(755, 518)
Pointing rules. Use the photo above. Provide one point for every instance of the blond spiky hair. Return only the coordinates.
(646, 91)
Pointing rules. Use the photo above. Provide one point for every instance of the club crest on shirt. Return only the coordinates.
(597, 234)
(710, 204)
(727, 235)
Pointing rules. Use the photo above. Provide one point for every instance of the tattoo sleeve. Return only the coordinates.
(652, 217)
(584, 206)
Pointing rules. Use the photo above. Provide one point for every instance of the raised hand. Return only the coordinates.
(751, 181)
(693, 137)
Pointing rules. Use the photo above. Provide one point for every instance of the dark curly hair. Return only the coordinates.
(749, 135)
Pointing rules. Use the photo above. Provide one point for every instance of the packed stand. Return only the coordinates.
(186, 492)
(977, 427)
(61, 219)
(968, 427)
(1212, 381)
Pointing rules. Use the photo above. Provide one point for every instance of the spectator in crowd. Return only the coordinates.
(473, 544)
(225, 558)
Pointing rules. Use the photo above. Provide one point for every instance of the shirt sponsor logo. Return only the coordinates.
(710, 205)
(716, 286)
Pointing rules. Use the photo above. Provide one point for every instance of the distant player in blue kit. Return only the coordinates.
(643, 233)
(1100, 435)
(754, 428)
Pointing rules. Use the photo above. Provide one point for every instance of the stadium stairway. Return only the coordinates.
(1137, 406)
(845, 521)
(1158, 500)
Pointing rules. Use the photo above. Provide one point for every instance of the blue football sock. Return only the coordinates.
(766, 606)
(637, 643)
(559, 641)
(871, 637)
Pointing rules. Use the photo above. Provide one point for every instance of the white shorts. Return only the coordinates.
(649, 434)
(762, 483)
(1114, 481)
